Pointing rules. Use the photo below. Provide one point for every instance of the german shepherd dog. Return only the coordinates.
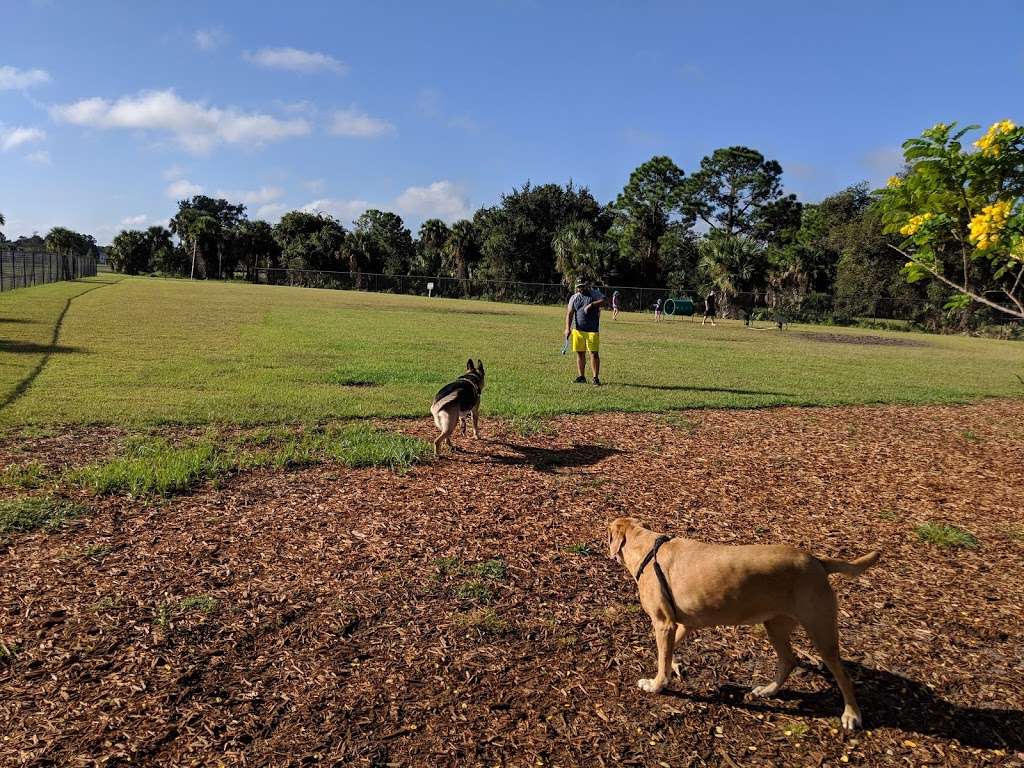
(457, 400)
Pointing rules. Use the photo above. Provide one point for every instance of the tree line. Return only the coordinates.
(727, 226)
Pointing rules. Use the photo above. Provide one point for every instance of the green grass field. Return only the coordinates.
(143, 351)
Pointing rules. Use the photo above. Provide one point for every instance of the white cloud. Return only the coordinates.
(195, 126)
(39, 157)
(295, 60)
(259, 196)
(271, 212)
(356, 124)
(344, 210)
(442, 200)
(13, 79)
(174, 172)
(15, 137)
(134, 221)
(315, 185)
(183, 188)
(209, 39)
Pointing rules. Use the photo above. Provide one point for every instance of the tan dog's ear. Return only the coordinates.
(617, 537)
(480, 366)
(469, 365)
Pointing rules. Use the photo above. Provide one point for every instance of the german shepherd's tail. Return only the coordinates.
(439, 410)
(851, 569)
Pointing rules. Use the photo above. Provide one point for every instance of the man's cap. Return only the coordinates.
(581, 281)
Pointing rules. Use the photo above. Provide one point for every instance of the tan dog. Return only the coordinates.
(686, 584)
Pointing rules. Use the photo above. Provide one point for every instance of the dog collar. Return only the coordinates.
(473, 384)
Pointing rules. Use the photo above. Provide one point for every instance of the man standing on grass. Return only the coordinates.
(584, 311)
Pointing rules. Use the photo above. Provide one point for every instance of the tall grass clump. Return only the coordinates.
(945, 535)
(32, 512)
(154, 467)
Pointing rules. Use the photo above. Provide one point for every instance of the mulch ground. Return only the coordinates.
(333, 616)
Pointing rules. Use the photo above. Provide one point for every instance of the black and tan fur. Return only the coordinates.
(457, 400)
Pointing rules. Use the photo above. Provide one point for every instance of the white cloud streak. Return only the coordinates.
(295, 60)
(355, 124)
(260, 196)
(39, 157)
(195, 126)
(209, 39)
(15, 137)
(183, 188)
(14, 79)
(442, 200)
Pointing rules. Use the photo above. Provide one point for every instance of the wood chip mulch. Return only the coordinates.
(339, 617)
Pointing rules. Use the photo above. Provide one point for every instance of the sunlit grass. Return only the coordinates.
(146, 351)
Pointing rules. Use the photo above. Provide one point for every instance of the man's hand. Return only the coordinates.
(567, 332)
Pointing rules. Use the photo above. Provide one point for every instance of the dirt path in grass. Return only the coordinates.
(464, 613)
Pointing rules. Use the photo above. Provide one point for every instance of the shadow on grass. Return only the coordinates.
(887, 700)
(20, 320)
(47, 350)
(551, 459)
(686, 388)
(32, 348)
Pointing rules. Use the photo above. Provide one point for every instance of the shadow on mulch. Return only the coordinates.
(685, 388)
(551, 459)
(887, 700)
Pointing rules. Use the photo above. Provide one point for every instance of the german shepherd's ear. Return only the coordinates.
(480, 367)
(469, 365)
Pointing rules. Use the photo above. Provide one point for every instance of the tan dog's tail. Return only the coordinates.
(852, 569)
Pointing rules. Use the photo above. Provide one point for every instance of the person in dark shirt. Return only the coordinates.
(710, 307)
(584, 312)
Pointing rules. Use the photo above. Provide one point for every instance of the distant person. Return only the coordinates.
(615, 305)
(710, 307)
(582, 320)
(657, 311)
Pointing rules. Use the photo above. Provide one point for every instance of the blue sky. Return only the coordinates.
(110, 111)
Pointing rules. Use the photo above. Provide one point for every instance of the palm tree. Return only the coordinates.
(193, 225)
(578, 251)
(433, 235)
(731, 264)
(460, 248)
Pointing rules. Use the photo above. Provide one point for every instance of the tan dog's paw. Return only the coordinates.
(649, 684)
(851, 719)
(765, 690)
(677, 670)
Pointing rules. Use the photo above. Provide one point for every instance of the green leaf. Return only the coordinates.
(959, 301)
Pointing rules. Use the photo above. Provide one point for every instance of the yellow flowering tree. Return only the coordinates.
(961, 211)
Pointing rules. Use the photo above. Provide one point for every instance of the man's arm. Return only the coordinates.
(568, 320)
(598, 302)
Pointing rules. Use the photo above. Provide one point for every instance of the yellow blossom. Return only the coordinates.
(989, 143)
(915, 223)
(986, 226)
(893, 182)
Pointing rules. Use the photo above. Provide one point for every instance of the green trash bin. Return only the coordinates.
(683, 306)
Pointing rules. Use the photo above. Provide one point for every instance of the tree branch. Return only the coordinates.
(962, 288)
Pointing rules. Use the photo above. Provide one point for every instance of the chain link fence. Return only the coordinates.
(750, 306)
(23, 269)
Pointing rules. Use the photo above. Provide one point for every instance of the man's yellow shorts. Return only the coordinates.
(585, 341)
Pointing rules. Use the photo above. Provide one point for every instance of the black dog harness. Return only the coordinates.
(666, 590)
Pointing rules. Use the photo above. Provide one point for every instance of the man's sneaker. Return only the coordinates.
(580, 380)
(597, 382)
